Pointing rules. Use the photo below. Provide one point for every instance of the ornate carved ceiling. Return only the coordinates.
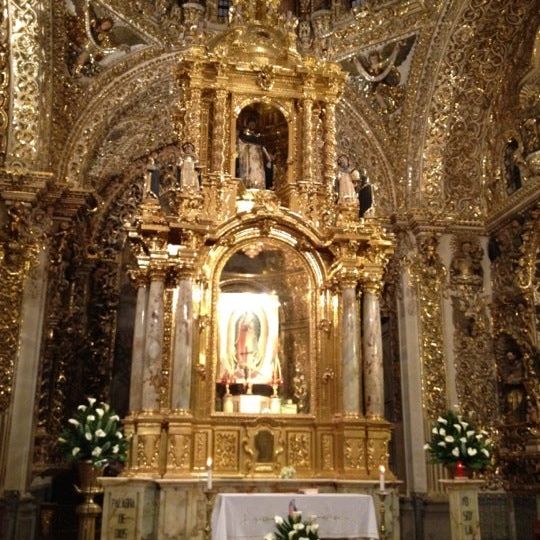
(425, 110)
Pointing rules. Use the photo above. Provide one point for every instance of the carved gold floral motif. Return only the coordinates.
(429, 275)
(299, 450)
(355, 454)
(226, 450)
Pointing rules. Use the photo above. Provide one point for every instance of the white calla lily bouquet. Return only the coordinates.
(454, 438)
(294, 528)
(94, 434)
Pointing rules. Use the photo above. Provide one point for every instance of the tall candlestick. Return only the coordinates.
(381, 477)
(209, 474)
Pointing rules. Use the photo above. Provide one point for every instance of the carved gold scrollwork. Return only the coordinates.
(428, 275)
(18, 253)
(299, 450)
(4, 81)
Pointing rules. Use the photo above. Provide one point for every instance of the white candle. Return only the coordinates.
(209, 474)
(381, 477)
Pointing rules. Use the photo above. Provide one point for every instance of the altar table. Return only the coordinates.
(250, 516)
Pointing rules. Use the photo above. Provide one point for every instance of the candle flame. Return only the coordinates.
(209, 463)
(382, 469)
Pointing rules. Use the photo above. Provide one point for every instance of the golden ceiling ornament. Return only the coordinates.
(460, 106)
(29, 126)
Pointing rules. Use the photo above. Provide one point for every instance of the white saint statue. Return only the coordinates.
(254, 161)
(187, 164)
(347, 179)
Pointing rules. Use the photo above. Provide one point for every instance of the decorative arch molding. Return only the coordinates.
(355, 135)
(108, 105)
(466, 80)
(425, 72)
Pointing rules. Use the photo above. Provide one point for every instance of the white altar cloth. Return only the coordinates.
(250, 516)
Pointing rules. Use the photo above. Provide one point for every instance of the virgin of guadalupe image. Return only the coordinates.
(255, 166)
(248, 357)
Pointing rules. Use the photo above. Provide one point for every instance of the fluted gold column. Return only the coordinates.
(137, 358)
(373, 358)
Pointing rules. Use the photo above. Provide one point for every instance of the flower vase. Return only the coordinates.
(88, 511)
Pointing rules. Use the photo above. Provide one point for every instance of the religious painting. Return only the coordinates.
(248, 338)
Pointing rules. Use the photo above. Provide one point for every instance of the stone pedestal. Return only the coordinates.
(464, 516)
(129, 508)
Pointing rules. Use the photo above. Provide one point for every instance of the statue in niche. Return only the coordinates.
(347, 179)
(531, 135)
(515, 403)
(467, 262)
(365, 195)
(152, 178)
(255, 163)
(512, 162)
(187, 168)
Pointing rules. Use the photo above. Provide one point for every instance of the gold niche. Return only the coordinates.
(254, 248)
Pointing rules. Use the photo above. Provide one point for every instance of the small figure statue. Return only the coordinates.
(347, 179)
(187, 167)
(151, 188)
(93, 45)
(467, 262)
(512, 162)
(255, 164)
(365, 195)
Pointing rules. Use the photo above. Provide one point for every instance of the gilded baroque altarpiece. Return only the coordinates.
(435, 93)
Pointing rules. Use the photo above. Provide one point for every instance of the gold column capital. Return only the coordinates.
(138, 276)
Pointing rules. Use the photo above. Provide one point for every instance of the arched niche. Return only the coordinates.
(262, 133)
(264, 298)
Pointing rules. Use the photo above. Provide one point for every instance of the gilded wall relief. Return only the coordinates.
(514, 254)
(460, 104)
(381, 74)
(429, 276)
(30, 86)
(473, 352)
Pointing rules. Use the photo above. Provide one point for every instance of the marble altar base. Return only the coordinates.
(165, 508)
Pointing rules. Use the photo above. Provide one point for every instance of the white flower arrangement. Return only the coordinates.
(294, 528)
(94, 434)
(453, 439)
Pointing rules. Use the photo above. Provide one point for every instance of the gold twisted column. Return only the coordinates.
(330, 145)
(219, 138)
(193, 125)
(307, 110)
